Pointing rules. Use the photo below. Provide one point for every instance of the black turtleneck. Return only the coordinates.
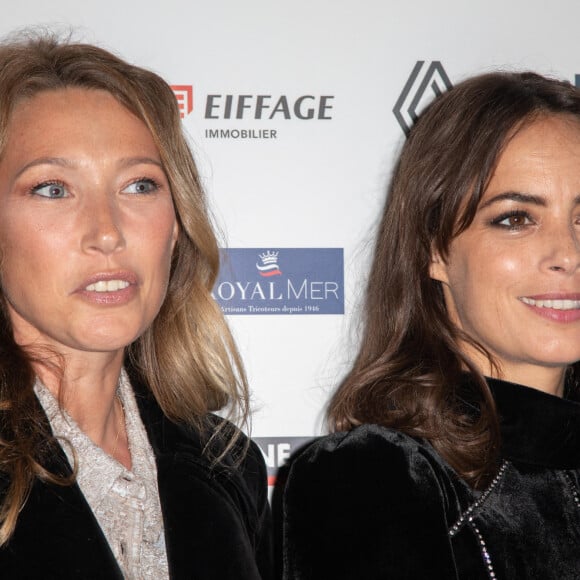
(537, 428)
(375, 503)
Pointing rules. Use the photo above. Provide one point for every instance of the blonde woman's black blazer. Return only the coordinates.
(217, 521)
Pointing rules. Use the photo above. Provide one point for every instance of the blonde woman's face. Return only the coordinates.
(512, 279)
(87, 225)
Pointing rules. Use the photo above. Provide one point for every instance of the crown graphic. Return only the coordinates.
(268, 257)
(269, 265)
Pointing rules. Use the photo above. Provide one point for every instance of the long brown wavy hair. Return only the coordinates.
(409, 364)
(187, 357)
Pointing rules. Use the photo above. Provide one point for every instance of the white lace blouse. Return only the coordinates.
(124, 502)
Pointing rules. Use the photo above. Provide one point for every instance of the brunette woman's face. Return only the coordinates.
(512, 279)
(87, 224)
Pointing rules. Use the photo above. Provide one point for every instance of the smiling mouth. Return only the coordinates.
(107, 286)
(553, 304)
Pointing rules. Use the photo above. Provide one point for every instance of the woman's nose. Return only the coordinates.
(563, 250)
(102, 226)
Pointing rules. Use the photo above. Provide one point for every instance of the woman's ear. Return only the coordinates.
(438, 267)
(174, 235)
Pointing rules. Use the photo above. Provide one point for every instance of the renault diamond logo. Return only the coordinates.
(415, 93)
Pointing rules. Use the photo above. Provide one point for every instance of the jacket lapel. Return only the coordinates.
(57, 537)
(207, 513)
(205, 510)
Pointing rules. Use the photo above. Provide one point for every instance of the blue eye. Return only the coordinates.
(142, 186)
(52, 190)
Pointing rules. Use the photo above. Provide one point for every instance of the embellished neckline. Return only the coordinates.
(537, 428)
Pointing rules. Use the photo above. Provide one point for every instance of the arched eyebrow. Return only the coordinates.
(522, 198)
(60, 161)
(70, 164)
(515, 196)
(130, 161)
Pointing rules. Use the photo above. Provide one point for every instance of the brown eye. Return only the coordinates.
(513, 220)
(516, 220)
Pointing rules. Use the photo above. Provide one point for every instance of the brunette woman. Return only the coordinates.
(112, 352)
(456, 452)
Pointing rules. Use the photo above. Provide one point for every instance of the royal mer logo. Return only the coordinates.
(423, 83)
(281, 281)
(269, 266)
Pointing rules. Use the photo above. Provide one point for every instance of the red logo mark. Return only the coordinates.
(184, 96)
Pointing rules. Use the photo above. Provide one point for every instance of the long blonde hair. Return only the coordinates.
(187, 357)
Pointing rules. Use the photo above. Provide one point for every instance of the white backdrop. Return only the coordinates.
(313, 183)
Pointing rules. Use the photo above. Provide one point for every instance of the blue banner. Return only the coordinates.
(281, 281)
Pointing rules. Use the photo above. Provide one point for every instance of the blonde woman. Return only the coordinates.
(113, 354)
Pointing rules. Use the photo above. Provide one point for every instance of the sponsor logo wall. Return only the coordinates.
(184, 96)
(425, 83)
(281, 281)
(265, 109)
(277, 451)
(295, 114)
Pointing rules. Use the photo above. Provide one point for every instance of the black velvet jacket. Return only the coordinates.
(216, 520)
(376, 504)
